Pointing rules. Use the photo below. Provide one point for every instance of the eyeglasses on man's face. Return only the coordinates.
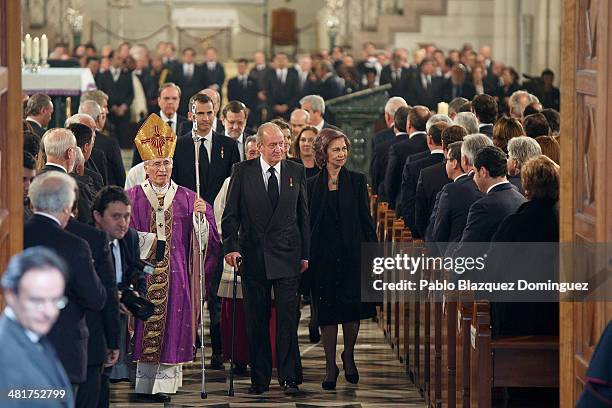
(39, 304)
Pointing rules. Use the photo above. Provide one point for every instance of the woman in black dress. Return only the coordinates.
(302, 150)
(340, 222)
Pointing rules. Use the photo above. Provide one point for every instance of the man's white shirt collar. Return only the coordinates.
(437, 151)
(414, 133)
(459, 176)
(166, 119)
(264, 168)
(49, 216)
(497, 184)
(31, 119)
(319, 125)
(56, 165)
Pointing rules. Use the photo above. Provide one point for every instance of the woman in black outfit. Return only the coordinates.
(340, 222)
(302, 150)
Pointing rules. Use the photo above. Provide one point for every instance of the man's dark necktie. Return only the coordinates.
(204, 164)
(170, 124)
(273, 187)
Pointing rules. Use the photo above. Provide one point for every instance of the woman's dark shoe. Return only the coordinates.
(352, 378)
(331, 385)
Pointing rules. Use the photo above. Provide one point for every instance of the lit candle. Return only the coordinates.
(27, 54)
(36, 50)
(44, 47)
(443, 108)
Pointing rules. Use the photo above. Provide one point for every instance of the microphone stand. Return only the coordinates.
(203, 393)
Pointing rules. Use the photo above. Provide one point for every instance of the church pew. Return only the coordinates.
(414, 329)
(388, 219)
(405, 238)
(424, 337)
(381, 209)
(465, 306)
(396, 235)
(437, 330)
(508, 361)
(373, 205)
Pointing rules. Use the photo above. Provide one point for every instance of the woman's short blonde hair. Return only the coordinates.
(540, 178)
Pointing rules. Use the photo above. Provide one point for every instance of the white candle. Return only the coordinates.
(443, 108)
(36, 50)
(44, 47)
(27, 54)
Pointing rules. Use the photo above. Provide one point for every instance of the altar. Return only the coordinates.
(63, 85)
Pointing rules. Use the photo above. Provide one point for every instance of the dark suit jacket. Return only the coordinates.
(83, 289)
(465, 90)
(398, 153)
(189, 86)
(183, 171)
(119, 92)
(85, 198)
(237, 91)
(429, 97)
(96, 179)
(130, 255)
(182, 126)
(39, 130)
(272, 242)
(282, 94)
(517, 182)
(379, 162)
(453, 207)
(410, 178)
(215, 76)
(487, 213)
(103, 325)
(400, 86)
(381, 136)
(115, 171)
(332, 87)
(430, 183)
(30, 366)
(486, 129)
(98, 163)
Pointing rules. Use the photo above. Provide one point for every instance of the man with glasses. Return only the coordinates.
(52, 196)
(166, 217)
(33, 285)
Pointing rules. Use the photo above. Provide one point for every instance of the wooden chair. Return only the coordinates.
(508, 361)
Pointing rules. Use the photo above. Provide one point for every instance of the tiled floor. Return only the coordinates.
(383, 382)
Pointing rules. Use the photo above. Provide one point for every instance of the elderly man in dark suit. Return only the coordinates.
(315, 106)
(33, 285)
(38, 113)
(398, 153)
(190, 78)
(266, 223)
(457, 197)
(392, 105)
(220, 153)
(117, 84)
(282, 88)
(52, 196)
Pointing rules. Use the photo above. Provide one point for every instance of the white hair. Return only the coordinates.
(472, 144)
(317, 103)
(90, 108)
(78, 118)
(56, 141)
(437, 118)
(516, 107)
(79, 159)
(260, 132)
(303, 112)
(393, 104)
(52, 192)
(468, 120)
(523, 148)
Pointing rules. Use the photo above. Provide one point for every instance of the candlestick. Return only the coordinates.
(44, 49)
(28, 49)
(36, 50)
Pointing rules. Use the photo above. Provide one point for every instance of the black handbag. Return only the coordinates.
(140, 307)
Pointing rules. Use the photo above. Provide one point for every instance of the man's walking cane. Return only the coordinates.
(197, 144)
(230, 392)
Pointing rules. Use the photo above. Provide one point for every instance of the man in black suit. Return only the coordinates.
(266, 223)
(411, 171)
(392, 105)
(485, 108)
(501, 198)
(244, 88)
(315, 106)
(235, 118)
(217, 153)
(111, 211)
(117, 84)
(96, 164)
(189, 77)
(85, 137)
(281, 88)
(168, 99)
(399, 152)
(456, 198)
(103, 326)
(397, 75)
(520, 150)
(258, 74)
(214, 71)
(457, 85)
(307, 78)
(38, 113)
(52, 196)
(33, 285)
(329, 84)
(62, 159)
(432, 177)
(381, 152)
(424, 86)
(95, 104)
